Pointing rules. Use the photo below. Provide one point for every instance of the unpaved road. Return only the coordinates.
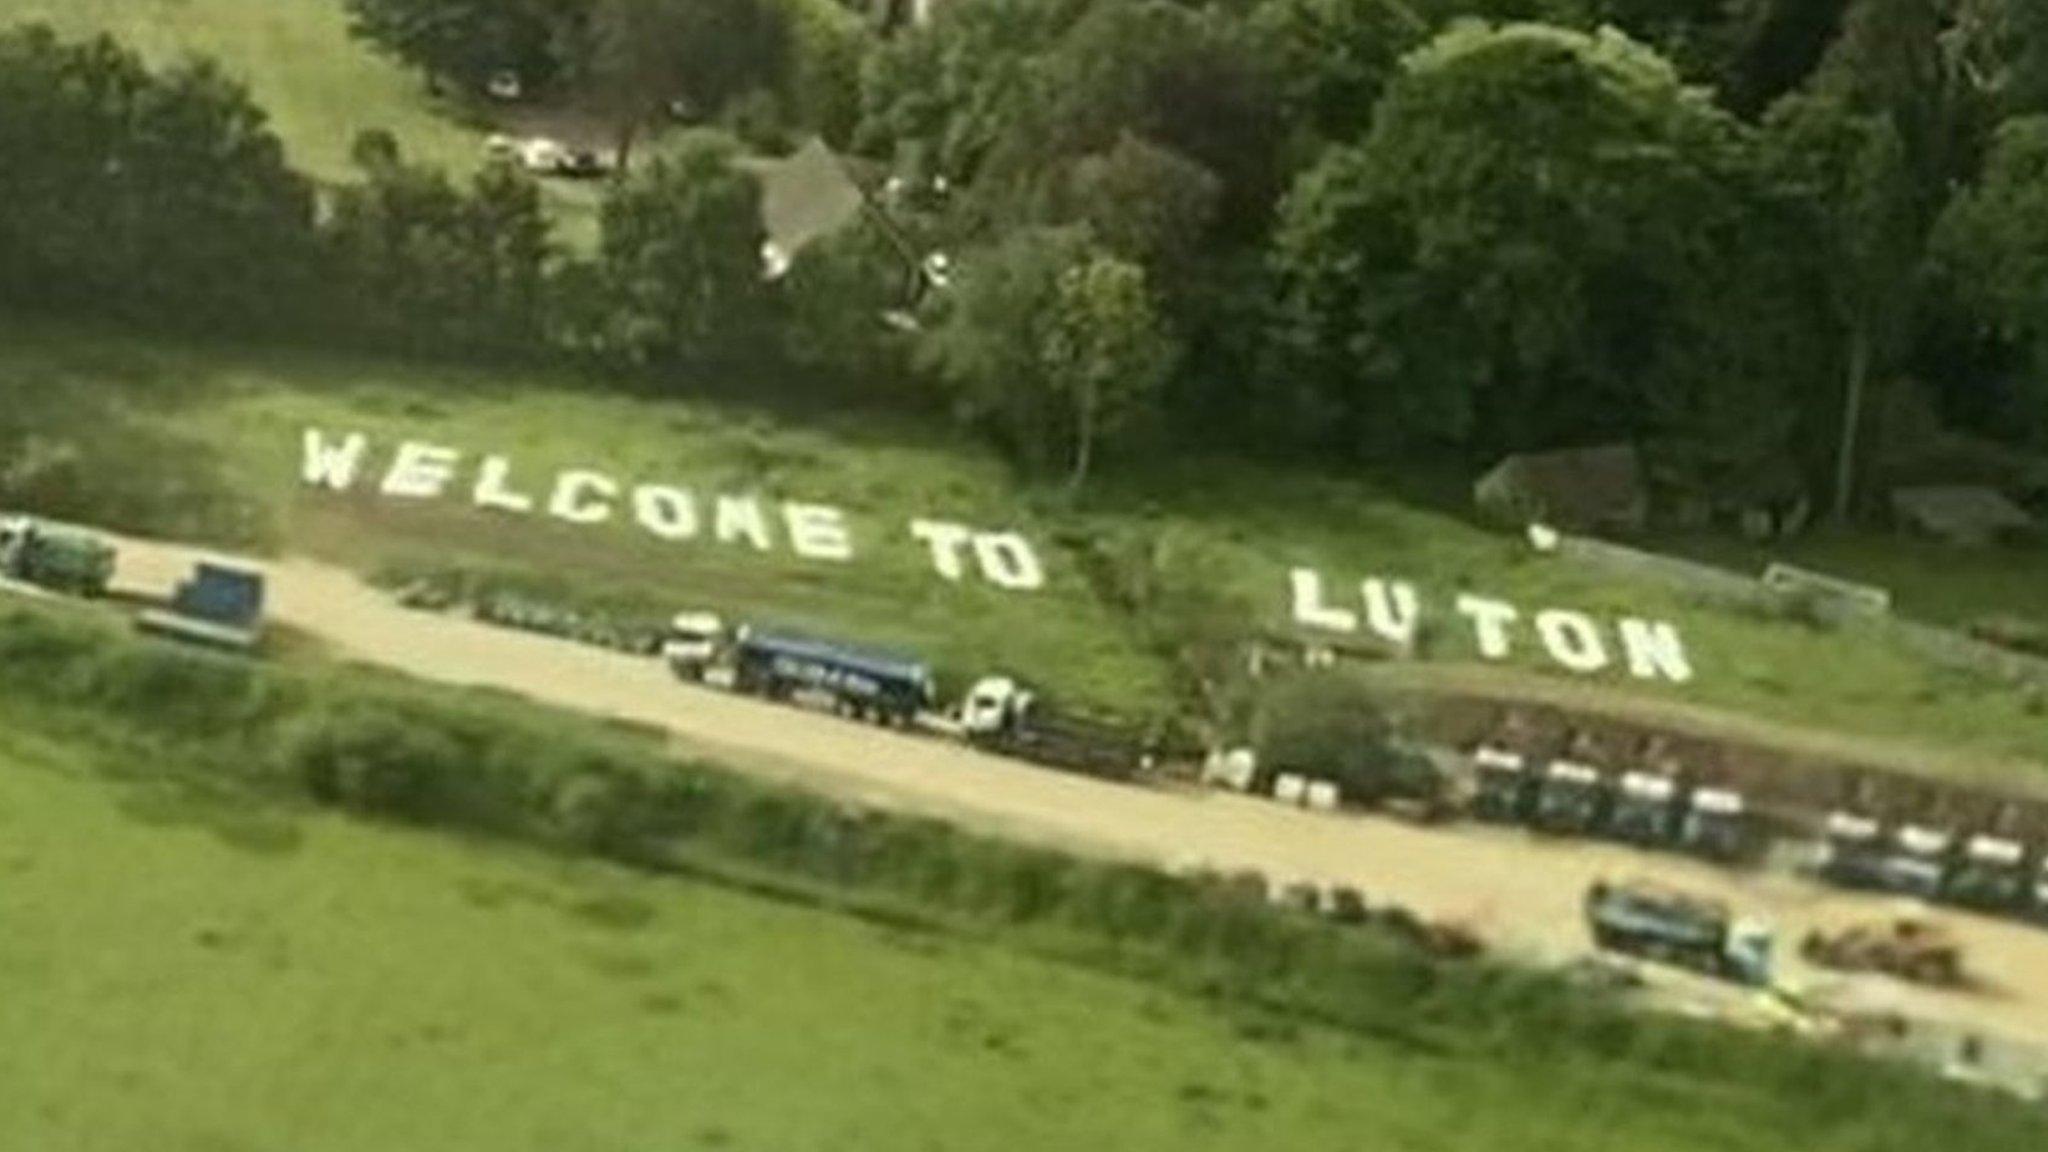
(1521, 893)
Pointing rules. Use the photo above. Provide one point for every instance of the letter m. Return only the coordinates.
(332, 466)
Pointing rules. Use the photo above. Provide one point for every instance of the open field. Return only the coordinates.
(191, 968)
(204, 444)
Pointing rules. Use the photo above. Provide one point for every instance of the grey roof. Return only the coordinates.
(1960, 512)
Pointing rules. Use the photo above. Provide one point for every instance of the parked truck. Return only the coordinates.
(1665, 925)
(860, 684)
(1001, 714)
(54, 557)
(1717, 825)
(1573, 799)
(1918, 861)
(1991, 875)
(1504, 787)
(1851, 852)
(220, 606)
(1646, 809)
(694, 643)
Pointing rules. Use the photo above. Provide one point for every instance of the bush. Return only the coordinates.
(370, 758)
(1323, 724)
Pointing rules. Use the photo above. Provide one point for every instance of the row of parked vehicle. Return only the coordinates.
(1987, 872)
(1568, 798)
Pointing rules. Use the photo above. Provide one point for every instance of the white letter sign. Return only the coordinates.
(1490, 620)
(1309, 609)
(1654, 650)
(1572, 640)
(331, 467)
(817, 532)
(573, 499)
(420, 471)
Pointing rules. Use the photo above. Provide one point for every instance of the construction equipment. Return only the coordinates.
(1665, 925)
(221, 606)
(1851, 853)
(1716, 825)
(860, 684)
(60, 559)
(1990, 876)
(1505, 788)
(1910, 949)
(1573, 799)
(1645, 809)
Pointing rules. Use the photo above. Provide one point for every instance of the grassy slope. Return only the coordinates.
(189, 974)
(1231, 528)
(230, 423)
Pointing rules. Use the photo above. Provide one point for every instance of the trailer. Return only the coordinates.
(857, 683)
(54, 557)
(1662, 924)
(221, 606)
(1002, 715)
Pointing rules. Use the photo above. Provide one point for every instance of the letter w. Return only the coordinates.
(328, 466)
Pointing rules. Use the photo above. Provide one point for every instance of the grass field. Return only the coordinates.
(208, 973)
(204, 443)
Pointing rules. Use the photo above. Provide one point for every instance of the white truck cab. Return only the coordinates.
(993, 705)
(692, 643)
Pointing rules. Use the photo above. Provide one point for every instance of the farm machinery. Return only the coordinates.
(1914, 950)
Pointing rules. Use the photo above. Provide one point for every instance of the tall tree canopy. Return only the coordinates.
(1490, 266)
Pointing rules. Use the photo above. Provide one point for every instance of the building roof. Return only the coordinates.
(1580, 487)
(1961, 513)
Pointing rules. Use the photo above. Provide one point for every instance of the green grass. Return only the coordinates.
(205, 972)
(203, 442)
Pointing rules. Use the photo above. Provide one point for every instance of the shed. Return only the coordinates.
(1575, 488)
(1959, 514)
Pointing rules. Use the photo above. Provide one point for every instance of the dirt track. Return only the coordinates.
(1521, 893)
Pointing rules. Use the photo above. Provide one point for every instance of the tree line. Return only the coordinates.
(1770, 241)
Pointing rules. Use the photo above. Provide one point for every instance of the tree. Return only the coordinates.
(1052, 345)
(1325, 725)
(1145, 203)
(1990, 254)
(1337, 56)
(437, 269)
(1104, 352)
(1489, 267)
(1867, 240)
(156, 196)
(467, 42)
(643, 56)
(837, 291)
(679, 275)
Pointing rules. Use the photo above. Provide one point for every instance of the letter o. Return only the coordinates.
(1572, 639)
(669, 513)
(1008, 561)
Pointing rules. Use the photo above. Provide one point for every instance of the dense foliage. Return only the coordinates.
(1762, 239)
